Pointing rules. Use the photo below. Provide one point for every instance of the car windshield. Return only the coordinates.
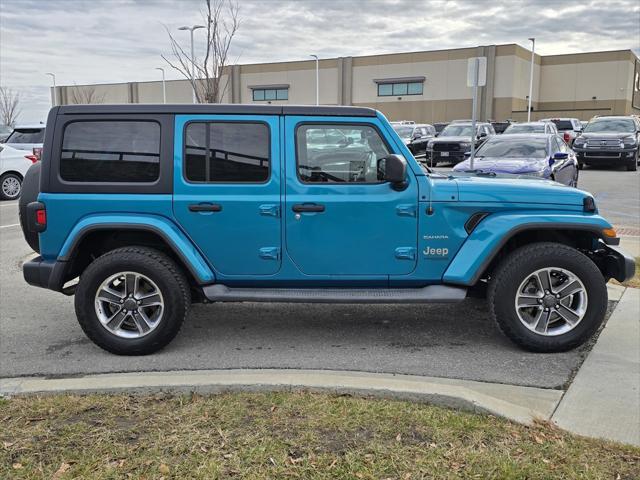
(26, 135)
(404, 132)
(502, 147)
(457, 131)
(610, 125)
(525, 128)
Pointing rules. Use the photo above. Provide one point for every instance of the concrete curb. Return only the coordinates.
(521, 404)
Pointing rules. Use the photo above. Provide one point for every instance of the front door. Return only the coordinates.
(227, 190)
(340, 217)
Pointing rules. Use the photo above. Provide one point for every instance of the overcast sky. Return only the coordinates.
(93, 41)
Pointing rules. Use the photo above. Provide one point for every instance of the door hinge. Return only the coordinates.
(406, 210)
(270, 210)
(406, 253)
(269, 253)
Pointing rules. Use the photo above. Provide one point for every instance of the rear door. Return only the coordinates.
(340, 217)
(227, 190)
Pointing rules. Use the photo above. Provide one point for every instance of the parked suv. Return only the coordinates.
(141, 210)
(26, 137)
(609, 141)
(569, 128)
(415, 136)
(452, 143)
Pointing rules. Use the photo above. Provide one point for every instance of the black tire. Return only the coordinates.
(30, 190)
(632, 166)
(6, 177)
(515, 268)
(156, 266)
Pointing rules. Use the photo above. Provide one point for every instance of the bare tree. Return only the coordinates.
(222, 23)
(86, 95)
(9, 106)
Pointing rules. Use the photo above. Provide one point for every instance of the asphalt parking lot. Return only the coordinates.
(39, 334)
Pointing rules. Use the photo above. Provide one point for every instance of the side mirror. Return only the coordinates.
(482, 134)
(560, 156)
(394, 168)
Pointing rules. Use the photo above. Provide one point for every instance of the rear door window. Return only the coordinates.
(111, 152)
(227, 152)
(26, 135)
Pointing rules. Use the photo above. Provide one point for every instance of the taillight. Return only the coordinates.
(567, 137)
(31, 158)
(41, 217)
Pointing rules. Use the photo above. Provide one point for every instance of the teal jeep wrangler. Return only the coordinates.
(141, 210)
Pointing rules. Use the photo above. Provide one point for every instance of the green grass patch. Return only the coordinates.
(286, 435)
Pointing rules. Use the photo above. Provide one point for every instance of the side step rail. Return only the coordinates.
(429, 294)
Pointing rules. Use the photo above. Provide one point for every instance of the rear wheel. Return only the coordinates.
(132, 301)
(548, 297)
(10, 186)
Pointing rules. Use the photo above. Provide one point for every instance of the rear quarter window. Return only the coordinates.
(111, 152)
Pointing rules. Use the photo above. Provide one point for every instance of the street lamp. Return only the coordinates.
(193, 58)
(164, 89)
(533, 49)
(317, 79)
(55, 95)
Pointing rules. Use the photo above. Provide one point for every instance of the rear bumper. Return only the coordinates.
(44, 273)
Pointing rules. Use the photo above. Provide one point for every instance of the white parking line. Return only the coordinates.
(8, 204)
(12, 225)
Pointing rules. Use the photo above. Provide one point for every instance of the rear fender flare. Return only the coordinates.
(493, 232)
(181, 245)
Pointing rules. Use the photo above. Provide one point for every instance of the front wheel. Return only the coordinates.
(548, 297)
(132, 300)
(10, 186)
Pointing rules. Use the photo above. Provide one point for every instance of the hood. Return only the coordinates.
(606, 135)
(516, 189)
(452, 139)
(518, 166)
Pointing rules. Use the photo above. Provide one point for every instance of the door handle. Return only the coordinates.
(307, 207)
(205, 207)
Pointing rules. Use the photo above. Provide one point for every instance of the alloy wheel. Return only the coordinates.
(129, 305)
(551, 301)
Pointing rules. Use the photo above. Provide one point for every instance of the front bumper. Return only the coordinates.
(44, 273)
(594, 156)
(618, 264)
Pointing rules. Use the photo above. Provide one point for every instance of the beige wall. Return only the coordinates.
(563, 84)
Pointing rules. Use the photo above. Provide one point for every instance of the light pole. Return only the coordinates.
(317, 79)
(533, 50)
(55, 95)
(164, 88)
(193, 59)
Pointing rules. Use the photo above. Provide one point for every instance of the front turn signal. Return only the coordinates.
(609, 232)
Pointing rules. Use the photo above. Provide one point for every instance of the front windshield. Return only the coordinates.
(525, 128)
(457, 131)
(403, 132)
(514, 148)
(610, 125)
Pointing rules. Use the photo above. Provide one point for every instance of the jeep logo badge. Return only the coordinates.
(435, 252)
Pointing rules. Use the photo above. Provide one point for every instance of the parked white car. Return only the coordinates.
(14, 164)
(27, 137)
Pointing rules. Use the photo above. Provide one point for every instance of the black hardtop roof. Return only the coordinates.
(218, 108)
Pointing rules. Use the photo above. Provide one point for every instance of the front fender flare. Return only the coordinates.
(493, 232)
(175, 238)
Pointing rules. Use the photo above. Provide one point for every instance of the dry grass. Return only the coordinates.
(286, 435)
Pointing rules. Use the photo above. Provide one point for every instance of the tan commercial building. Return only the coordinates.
(426, 86)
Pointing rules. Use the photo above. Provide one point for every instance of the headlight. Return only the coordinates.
(430, 145)
(629, 141)
(465, 145)
(579, 141)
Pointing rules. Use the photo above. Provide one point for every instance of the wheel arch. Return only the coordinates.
(15, 172)
(489, 244)
(88, 240)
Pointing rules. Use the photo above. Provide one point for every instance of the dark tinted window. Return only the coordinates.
(339, 154)
(226, 152)
(110, 151)
(26, 135)
(563, 125)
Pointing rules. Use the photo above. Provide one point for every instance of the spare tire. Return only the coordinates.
(30, 190)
